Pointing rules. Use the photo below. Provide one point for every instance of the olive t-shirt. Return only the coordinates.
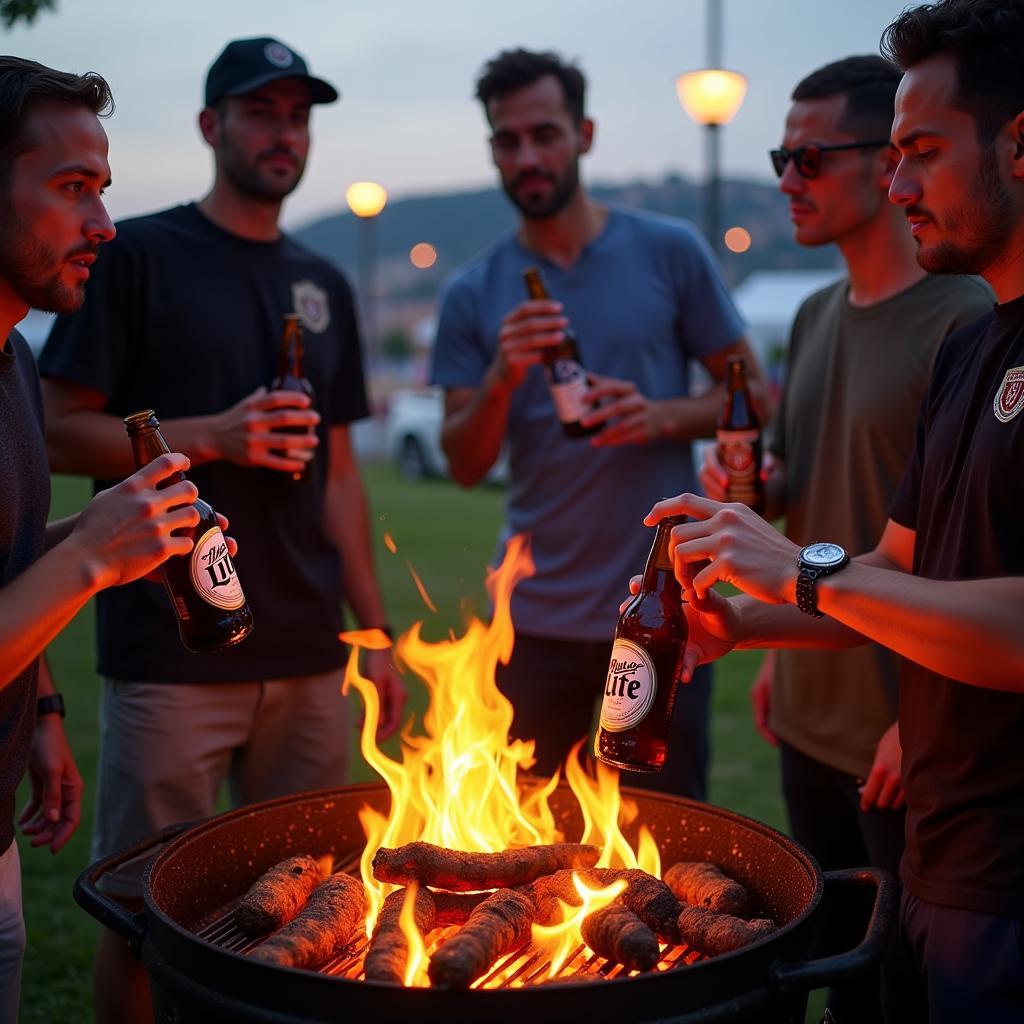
(186, 319)
(963, 745)
(845, 429)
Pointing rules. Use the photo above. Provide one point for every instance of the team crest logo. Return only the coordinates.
(310, 302)
(1009, 398)
(278, 55)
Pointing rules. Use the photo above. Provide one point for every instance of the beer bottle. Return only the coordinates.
(290, 378)
(640, 690)
(739, 441)
(203, 586)
(567, 379)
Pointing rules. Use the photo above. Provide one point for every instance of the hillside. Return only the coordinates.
(460, 224)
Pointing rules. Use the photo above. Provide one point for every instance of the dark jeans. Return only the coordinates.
(825, 817)
(555, 687)
(955, 966)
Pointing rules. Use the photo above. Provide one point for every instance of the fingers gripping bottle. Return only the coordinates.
(647, 655)
(567, 379)
(202, 585)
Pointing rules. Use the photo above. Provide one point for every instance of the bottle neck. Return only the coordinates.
(659, 569)
(148, 443)
(534, 284)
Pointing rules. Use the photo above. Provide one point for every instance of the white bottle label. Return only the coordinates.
(630, 687)
(568, 383)
(213, 571)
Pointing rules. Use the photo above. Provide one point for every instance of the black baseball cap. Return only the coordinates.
(246, 64)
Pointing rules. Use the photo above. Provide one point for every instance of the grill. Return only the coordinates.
(198, 971)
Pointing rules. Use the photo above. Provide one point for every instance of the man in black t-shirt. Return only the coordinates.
(185, 316)
(945, 585)
(53, 170)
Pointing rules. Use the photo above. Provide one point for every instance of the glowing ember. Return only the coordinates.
(389, 543)
(458, 785)
(419, 586)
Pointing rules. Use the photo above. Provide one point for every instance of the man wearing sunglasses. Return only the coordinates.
(860, 355)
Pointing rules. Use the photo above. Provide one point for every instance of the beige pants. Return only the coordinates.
(12, 934)
(166, 749)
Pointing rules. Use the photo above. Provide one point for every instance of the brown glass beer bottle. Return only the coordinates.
(739, 441)
(290, 378)
(202, 585)
(567, 379)
(640, 690)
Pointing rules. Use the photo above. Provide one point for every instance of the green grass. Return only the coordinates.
(447, 534)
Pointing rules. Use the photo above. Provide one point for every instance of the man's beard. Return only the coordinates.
(984, 220)
(250, 183)
(27, 262)
(542, 207)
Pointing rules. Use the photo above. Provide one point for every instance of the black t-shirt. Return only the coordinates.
(25, 486)
(186, 319)
(963, 746)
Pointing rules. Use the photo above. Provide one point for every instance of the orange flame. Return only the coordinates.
(559, 940)
(389, 543)
(416, 964)
(458, 784)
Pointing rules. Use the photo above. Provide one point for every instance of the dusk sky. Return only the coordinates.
(406, 69)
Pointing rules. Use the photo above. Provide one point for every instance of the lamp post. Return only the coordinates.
(366, 199)
(711, 97)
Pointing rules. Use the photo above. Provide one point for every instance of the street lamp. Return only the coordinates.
(366, 199)
(712, 97)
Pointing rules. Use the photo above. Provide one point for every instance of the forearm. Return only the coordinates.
(348, 525)
(59, 530)
(688, 419)
(472, 434)
(37, 605)
(91, 443)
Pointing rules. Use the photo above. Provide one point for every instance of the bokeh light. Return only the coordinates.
(737, 239)
(422, 255)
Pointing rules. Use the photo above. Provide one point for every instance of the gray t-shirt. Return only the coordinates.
(845, 428)
(643, 297)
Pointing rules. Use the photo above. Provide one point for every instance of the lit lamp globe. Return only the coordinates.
(366, 198)
(711, 96)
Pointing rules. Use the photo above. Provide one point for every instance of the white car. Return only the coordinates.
(413, 436)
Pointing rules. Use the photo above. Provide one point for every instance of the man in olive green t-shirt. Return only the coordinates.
(860, 356)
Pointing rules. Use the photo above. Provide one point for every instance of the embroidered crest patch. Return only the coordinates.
(310, 302)
(278, 55)
(1009, 398)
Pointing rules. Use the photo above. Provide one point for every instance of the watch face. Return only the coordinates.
(822, 555)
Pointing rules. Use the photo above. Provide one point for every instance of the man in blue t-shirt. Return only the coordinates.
(185, 317)
(644, 297)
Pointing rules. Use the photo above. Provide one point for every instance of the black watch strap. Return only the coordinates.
(807, 592)
(51, 704)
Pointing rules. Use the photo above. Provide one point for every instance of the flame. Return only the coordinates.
(389, 543)
(559, 940)
(420, 587)
(416, 965)
(460, 780)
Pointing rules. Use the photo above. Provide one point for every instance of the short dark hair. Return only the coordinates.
(985, 38)
(869, 84)
(24, 83)
(515, 69)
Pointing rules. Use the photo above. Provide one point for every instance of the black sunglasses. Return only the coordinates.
(807, 159)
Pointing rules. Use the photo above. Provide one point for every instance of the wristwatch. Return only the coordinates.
(51, 704)
(815, 561)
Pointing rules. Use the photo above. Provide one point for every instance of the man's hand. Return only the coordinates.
(626, 416)
(742, 548)
(761, 698)
(378, 668)
(255, 431)
(54, 809)
(532, 327)
(884, 786)
(126, 532)
(712, 629)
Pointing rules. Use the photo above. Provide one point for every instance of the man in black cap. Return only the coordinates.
(185, 317)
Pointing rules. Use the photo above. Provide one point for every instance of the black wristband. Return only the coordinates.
(51, 704)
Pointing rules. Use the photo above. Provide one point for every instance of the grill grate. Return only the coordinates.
(528, 966)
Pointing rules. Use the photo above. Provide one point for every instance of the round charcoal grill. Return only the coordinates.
(199, 972)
